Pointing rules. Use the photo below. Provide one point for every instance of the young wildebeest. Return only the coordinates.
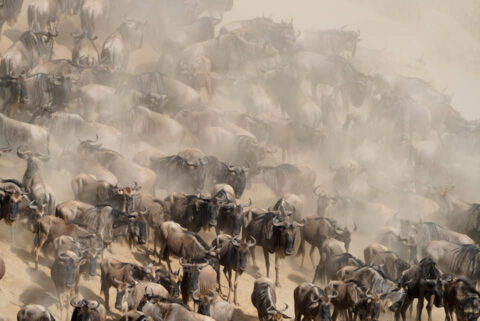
(34, 312)
(200, 278)
(33, 180)
(264, 300)
(274, 234)
(87, 310)
(219, 311)
(319, 229)
(232, 255)
(120, 275)
(312, 302)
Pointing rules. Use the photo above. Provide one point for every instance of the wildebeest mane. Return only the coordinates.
(465, 255)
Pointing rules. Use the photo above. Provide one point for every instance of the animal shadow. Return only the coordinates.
(254, 271)
(12, 34)
(239, 315)
(36, 295)
(297, 278)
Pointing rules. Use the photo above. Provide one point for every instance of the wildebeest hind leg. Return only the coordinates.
(267, 261)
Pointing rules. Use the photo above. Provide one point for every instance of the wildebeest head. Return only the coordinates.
(203, 301)
(240, 253)
(9, 203)
(44, 42)
(84, 310)
(127, 195)
(233, 214)
(324, 201)
(37, 210)
(286, 232)
(319, 303)
(32, 156)
(70, 263)
(236, 176)
(171, 281)
(275, 314)
(191, 272)
(137, 229)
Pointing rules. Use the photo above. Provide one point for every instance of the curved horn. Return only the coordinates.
(202, 265)
(235, 241)
(23, 155)
(254, 241)
(333, 295)
(183, 264)
(93, 304)
(75, 304)
(249, 203)
(277, 222)
(339, 231)
(284, 309)
(195, 295)
(315, 191)
(297, 224)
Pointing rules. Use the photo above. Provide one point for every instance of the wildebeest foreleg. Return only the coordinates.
(403, 309)
(312, 248)
(235, 284)
(277, 271)
(430, 307)
(267, 261)
(419, 308)
(252, 254)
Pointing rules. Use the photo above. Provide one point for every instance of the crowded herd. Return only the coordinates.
(238, 135)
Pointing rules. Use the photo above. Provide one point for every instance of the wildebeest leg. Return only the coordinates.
(446, 307)
(277, 270)
(252, 254)
(267, 261)
(335, 314)
(12, 232)
(419, 308)
(228, 275)
(314, 91)
(430, 307)
(235, 284)
(403, 308)
(41, 241)
(311, 255)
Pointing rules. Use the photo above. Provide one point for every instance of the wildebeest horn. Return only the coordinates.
(314, 297)
(272, 310)
(339, 231)
(63, 256)
(212, 295)
(183, 264)
(75, 304)
(254, 241)
(236, 242)
(343, 27)
(333, 295)
(284, 309)
(354, 227)
(277, 222)
(23, 155)
(195, 295)
(93, 305)
(249, 203)
(297, 224)
(202, 265)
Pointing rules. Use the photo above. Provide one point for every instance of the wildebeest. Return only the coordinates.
(156, 212)
(118, 46)
(333, 264)
(422, 281)
(319, 229)
(312, 302)
(292, 204)
(34, 312)
(84, 53)
(2, 268)
(329, 42)
(87, 310)
(371, 250)
(218, 172)
(198, 280)
(25, 53)
(219, 310)
(173, 312)
(232, 255)
(136, 293)
(461, 298)
(17, 133)
(275, 235)
(264, 299)
(177, 241)
(120, 275)
(9, 12)
(34, 182)
(69, 210)
(349, 294)
(65, 274)
(390, 264)
(11, 195)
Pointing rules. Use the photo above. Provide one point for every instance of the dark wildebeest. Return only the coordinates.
(333, 264)
(461, 297)
(156, 212)
(230, 214)
(218, 172)
(319, 229)
(275, 234)
(87, 310)
(120, 275)
(11, 194)
(199, 279)
(264, 300)
(185, 175)
(118, 46)
(329, 42)
(34, 312)
(312, 303)
(390, 263)
(375, 282)
(288, 178)
(192, 212)
(9, 12)
(371, 250)
(422, 281)
(84, 53)
(33, 181)
(232, 255)
(291, 204)
(65, 274)
(25, 53)
(177, 241)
